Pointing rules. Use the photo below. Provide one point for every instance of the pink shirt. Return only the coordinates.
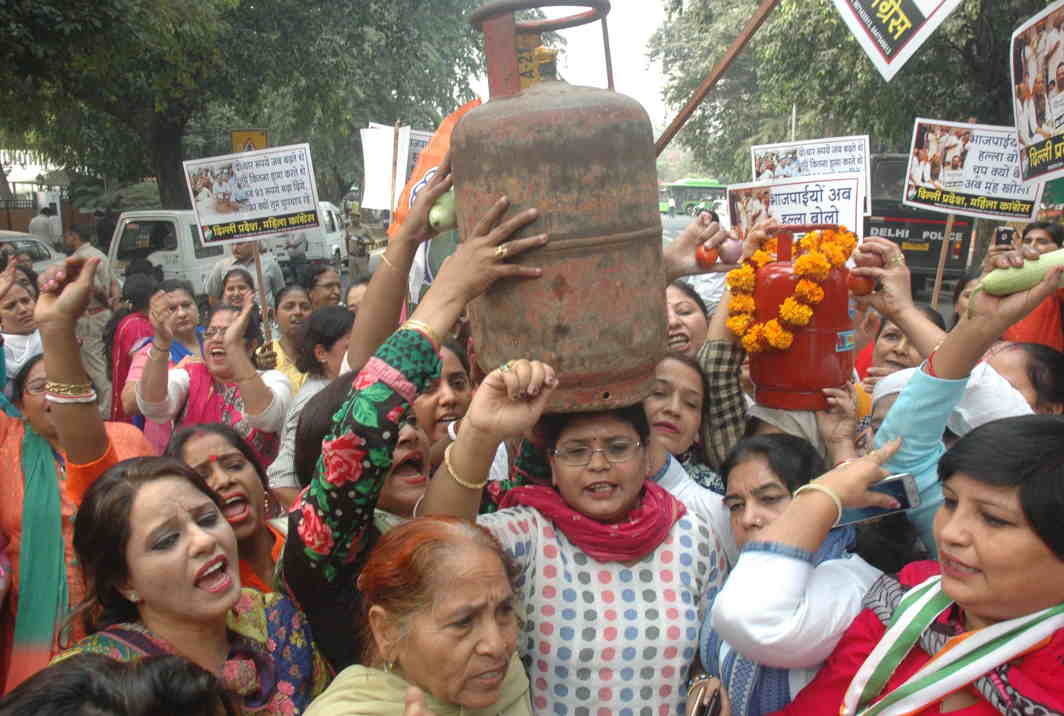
(158, 434)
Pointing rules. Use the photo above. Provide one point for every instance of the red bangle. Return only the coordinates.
(929, 366)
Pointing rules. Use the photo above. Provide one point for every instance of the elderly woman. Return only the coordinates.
(614, 569)
(980, 631)
(322, 285)
(225, 388)
(40, 495)
(438, 599)
(232, 469)
(320, 351)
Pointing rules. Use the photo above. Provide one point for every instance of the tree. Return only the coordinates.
(805, 56)
(145, 71)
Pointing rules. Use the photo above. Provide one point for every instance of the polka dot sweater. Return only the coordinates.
(608, 638)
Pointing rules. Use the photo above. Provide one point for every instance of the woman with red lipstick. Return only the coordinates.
(231, 468)
(225, 388)
(39, 496)
(674, 410)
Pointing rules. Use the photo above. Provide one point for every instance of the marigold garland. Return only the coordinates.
(819, 253)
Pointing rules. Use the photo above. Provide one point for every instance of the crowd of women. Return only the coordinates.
(256, 530)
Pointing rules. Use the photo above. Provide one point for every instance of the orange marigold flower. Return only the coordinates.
(811, 241)
(739, 323)
(762, 257)
(795, 313)
(777, 336)
(741, 303)
(834, 254)
(809, 292)
(772, 246)
(742, 278)
(753, 340)
(813, 265)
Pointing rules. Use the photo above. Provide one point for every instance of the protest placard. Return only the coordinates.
(253, 195)
(1037, 68)
(383, 155)
(890, 31)
(968, 169)
(814, 157)
(829, 199)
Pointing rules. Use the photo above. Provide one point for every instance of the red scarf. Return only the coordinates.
(646, 527)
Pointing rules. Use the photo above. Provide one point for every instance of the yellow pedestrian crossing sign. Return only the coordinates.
(248, 140)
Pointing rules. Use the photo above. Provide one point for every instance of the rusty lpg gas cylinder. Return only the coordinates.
(584, 157)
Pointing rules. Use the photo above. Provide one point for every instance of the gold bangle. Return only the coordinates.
(425, 329)
(454, 475)
(827, 491)
(70, 390)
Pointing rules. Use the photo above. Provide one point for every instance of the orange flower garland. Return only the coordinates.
(820, 252)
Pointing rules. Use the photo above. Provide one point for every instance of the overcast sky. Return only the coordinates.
(582, 62)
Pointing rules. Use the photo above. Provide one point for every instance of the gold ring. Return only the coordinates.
(501, 251)
(505, 367)
(898, 260)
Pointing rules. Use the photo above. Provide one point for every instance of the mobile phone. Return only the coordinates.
(1003, 236)
(902, 487)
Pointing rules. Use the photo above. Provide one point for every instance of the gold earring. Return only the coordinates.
(133, 597)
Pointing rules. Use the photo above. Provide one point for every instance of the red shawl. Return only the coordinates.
(647, 526)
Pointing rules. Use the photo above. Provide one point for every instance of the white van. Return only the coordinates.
(170, 239)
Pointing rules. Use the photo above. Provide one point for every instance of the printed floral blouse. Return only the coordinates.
(273, 667)
(330, 526)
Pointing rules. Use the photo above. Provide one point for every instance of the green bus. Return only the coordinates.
(691, 195)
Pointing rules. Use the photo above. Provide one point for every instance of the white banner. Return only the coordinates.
(813, 157)
(253, 195)
(380, 154)
(890, 31)
(969, 170)
(831, 199)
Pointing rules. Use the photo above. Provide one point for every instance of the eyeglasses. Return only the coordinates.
(36, 387)
(616, 451)
(215, 331)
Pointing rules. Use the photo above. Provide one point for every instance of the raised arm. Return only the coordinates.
(153, 389)
(798, 622)
(894, 300)
(65, 294)
(679, 255)
(327, 536)
(258, 396)
(378, 314)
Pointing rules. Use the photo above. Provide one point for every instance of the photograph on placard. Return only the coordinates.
(830, 199)
(812, 157)
(1037, 70)
(968, 169)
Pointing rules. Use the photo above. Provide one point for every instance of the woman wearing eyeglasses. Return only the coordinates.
(613, 569)
(225, 388)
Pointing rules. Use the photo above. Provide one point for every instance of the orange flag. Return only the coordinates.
(427, 164)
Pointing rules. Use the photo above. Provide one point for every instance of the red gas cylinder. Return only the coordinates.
(584, 157)
(821, 355)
